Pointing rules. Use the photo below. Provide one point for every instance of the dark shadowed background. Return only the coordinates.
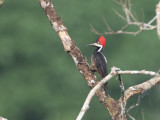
(39, 81)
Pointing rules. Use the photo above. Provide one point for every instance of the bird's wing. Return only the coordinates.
(100, 62)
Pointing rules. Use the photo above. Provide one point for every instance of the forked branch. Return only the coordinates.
(131, 20)
(128, 93)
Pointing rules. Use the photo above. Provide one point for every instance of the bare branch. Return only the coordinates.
(117, 2)
(119, 15)
(108, 27)
(138, 72)
(1, 118)
(132, 107)
(1, 2)
(158, 19)
(141, 88)
(94, 30)
(131, 20)
(114, 71)
(151, 21)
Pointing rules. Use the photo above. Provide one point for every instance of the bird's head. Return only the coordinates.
(100, 43)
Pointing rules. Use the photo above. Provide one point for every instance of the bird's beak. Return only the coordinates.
(94, 44)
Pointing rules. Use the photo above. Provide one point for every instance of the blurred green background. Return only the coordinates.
(39, 81)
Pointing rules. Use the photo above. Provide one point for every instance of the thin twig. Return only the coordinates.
(105, 22)
(131, 20)
(152, 20)
(121, 16)
(94, 30)
(158, 19)
(132, 107)
(117, 2)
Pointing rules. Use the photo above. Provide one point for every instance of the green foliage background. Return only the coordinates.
(39, 81)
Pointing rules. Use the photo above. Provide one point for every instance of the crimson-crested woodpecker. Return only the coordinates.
(98, 60)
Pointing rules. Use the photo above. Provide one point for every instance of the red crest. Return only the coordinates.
(101, 40)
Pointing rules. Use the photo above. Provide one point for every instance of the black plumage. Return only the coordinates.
(99, 65)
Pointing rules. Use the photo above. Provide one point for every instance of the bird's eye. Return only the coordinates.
(98, 42)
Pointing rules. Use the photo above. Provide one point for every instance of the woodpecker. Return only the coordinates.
(98, 60)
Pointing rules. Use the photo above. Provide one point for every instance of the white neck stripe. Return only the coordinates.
(100, 48)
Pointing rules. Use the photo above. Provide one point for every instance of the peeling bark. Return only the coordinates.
(141, 88)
